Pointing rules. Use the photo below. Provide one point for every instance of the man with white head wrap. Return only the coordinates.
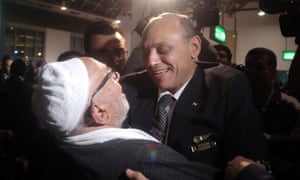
(54, 100)
(81, 102)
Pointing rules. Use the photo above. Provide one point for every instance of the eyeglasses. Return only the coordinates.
(111, 74)
(105, 79)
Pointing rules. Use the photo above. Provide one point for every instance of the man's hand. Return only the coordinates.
(235, 166)
(135, 175)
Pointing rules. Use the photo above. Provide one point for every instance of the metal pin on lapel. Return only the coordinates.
(194, 104)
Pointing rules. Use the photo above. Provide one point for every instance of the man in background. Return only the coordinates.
(280, 113)
(224, 53)
(105, 41)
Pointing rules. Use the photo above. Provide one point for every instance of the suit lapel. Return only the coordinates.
(192, 97)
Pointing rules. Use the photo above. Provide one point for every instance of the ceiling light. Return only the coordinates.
(117, 21)
(261, 13)
(63, 6)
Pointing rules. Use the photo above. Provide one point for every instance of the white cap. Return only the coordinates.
(60, 98)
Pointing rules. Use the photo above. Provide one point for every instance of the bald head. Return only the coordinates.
(169, 18)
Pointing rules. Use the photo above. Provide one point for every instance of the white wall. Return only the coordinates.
(254, 31)
(56, 42)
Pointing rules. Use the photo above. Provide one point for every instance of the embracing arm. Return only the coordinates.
(246, 169)
(135, 175)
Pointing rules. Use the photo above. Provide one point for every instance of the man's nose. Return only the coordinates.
(152, 58)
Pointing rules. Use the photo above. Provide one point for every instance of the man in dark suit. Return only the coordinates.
(81, 102)
(212, 118)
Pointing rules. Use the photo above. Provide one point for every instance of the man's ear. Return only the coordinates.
(195, 43)
(99, 115)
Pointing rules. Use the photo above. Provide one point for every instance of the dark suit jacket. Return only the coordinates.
(21, 93)
(216, 102)
(252, 172)
(109, 160)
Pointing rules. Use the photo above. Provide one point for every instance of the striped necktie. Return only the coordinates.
(161, 120)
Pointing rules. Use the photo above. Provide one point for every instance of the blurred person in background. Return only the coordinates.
(6, 62)
(104, 40)
(224, 53)
(280, 113)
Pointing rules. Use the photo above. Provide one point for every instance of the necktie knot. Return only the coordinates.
(165, 101)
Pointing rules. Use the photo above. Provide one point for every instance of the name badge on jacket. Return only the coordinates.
(203, 142)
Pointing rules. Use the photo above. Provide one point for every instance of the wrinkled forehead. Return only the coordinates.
(159, 20)
(162, 33)
(165, 18)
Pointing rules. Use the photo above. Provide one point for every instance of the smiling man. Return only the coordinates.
(212, 118)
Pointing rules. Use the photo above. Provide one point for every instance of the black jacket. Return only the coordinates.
(216, 102)
(109, 160)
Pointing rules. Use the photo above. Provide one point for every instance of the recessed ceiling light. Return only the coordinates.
(63, 6)
(261, 13)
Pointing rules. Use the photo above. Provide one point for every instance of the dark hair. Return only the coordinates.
(68, 55)
(262, 52)
(102, 27)
(5, 58)
(207, 53)
(18, 67)
(221, 47)
(141, 24)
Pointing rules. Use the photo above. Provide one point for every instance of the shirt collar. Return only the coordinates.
(176, 95)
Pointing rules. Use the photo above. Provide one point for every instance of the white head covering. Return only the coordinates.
(59, 100)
